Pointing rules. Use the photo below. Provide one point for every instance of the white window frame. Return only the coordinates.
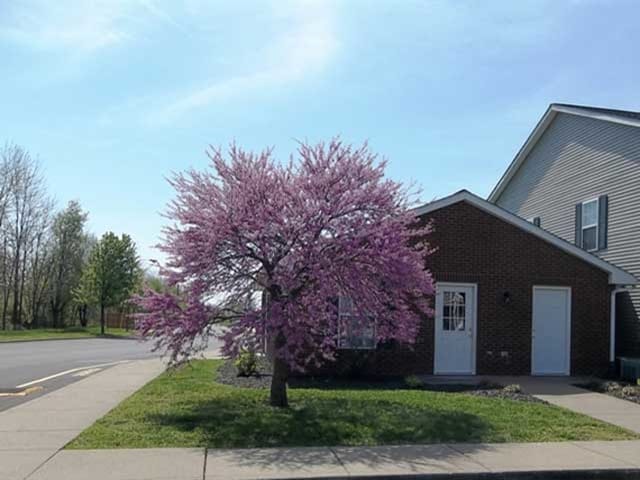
(583, 227)
(345, 345)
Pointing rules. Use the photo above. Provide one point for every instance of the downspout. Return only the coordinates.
(612, 326)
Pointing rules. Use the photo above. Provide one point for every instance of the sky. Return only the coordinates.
(113, 96)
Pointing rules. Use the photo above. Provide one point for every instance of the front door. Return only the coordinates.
(455, 329)
(551, 331)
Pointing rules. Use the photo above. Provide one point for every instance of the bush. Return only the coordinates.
(515, 388)
(413, 381)
(247, 363)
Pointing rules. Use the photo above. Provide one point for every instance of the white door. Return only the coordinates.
(551, 331)
(455, 329)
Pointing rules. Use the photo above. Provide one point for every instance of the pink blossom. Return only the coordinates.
(325, 224)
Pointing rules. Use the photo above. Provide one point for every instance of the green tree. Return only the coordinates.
(68, 242)
(112, 274)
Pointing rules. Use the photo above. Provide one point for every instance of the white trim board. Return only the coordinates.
(617, 276)
(541, 127)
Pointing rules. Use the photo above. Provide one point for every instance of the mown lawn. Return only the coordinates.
(60, 333)
(188, 409)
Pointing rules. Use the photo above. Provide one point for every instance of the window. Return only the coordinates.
(454, 311)
(590, 225)
(355, 331)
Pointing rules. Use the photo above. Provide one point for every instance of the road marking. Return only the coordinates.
(67, 372)
(22, 393)
(84, 373)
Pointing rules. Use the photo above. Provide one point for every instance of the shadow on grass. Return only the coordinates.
(322, 420)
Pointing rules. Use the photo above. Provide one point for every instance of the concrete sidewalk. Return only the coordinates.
(504, 461)
(33, 432)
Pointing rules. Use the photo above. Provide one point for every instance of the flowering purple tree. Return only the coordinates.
(327, 224)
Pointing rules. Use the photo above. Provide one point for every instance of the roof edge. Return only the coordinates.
(617, 276)
(541, 127)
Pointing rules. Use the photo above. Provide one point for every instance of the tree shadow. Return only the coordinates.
(358, 462)
(322, 419)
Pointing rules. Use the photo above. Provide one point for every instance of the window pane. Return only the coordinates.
(345, 305)
(454, 311)
(356, 332)
(446, 323)
(589, 239)
(590, 213)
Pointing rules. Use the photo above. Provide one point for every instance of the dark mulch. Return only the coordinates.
(618, 389)
(228, 374)
(506, 393)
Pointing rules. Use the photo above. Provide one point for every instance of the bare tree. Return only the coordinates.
(26, 213)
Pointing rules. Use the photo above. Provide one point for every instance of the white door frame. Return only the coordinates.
(567, 368)
(474, 316)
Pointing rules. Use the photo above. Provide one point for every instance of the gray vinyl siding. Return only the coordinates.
(578, 159)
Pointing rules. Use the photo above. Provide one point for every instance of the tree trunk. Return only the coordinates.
(278, 396)
(102, 319)
(82, 314)
(55, 315)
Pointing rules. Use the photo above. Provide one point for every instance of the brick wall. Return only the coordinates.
(476, 247)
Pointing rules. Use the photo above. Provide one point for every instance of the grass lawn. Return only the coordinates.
(60, 333)
(188, 409)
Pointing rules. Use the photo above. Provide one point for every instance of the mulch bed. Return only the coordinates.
(506, 393)
(228, 374)
(618, 389)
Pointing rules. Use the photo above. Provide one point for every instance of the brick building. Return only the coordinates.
(512, 299)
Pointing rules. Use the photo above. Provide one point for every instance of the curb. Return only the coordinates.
(106, 337)
(585, 474)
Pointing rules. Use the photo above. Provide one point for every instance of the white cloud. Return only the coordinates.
(63, 25)
(306, 48)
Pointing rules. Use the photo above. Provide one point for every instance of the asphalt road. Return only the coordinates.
(27, 362)
(66, 361)
(22, 362)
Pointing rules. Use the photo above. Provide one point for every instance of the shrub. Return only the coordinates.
(247, 363)
(413, 381)
(515, 388)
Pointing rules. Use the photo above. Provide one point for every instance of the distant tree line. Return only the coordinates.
(53, 272)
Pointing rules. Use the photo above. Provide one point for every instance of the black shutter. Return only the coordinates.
(578, 239)
(603, 221)
(536, 221)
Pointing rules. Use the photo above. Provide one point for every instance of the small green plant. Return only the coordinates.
(413, 381)
(247, 363)
(638, 382)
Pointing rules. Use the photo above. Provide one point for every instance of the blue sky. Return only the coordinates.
(114, 95)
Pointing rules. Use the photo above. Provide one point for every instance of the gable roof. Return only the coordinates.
(617, 276)
(623, 117)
